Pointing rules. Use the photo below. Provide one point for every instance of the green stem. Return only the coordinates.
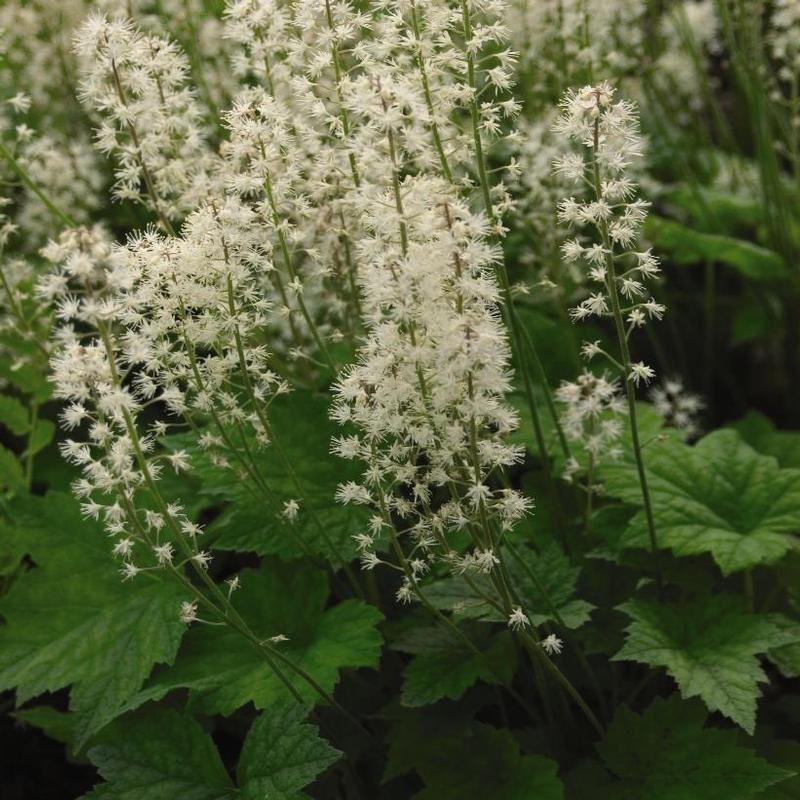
(268, 430)
(29, 453)
(450, 625)
(536, 653)
(554, 612)
(289, 263)
(337, 70)
(148, 181)
(16, 310)
(426, 90)
(625, 359)
(513, 321)
(231, 615)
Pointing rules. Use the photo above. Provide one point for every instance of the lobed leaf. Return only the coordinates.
(445, 666)
(689, 246)
(666, 754)
(709, 647)
(223, 671)
(14, 415)
(72, 620)
(253, 520)
(159, 755)
(282, 754)
(719, 497)
(467, 760)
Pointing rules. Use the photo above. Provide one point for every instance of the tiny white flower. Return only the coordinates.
(641, 372)
(20, 102)
(188, 612)
(290, 510)
(179, 460)
(124, 547)
(552, 645)
(405, 593)
(164, 553)
(590, 349)
(129, 571)
(369, 561)
(518, 620)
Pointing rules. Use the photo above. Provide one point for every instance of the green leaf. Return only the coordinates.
(282, 754)
(72, 620)
(42, 435)
(14, 415)
(470, 761)
(252, 521)
(223, 671)
(445, 666)
(689, 246)
(11, 475)
(159, 755)
(666, 754)
(30, 378)
(759, 432)
(729, 212)
(709, 647)
(12, 549)
(547, 582)
(719, 497)
(787, 659)
(782, 753)
(412, 729)
(588, 778)
(58, 725)
(754, 318)
(556, 344)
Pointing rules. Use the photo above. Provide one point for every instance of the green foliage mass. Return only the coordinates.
(73, 622)
(718, 496)
(188, 610)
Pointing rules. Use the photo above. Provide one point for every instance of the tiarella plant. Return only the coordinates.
(339, 457)
(607, 203)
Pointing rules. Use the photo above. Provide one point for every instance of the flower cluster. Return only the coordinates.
(151, 122)
(608, 133)
(68, 169)
(292, 153)
(260, 31)
(265, 166)
(425, 398)
(193, 308)
(566, 42)
(593, 410)
(36, 45)
(785, 39)
(424, 50)
(117, 454)
(680, 408)
(200, 32)
(342, 201)
(690, 34)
